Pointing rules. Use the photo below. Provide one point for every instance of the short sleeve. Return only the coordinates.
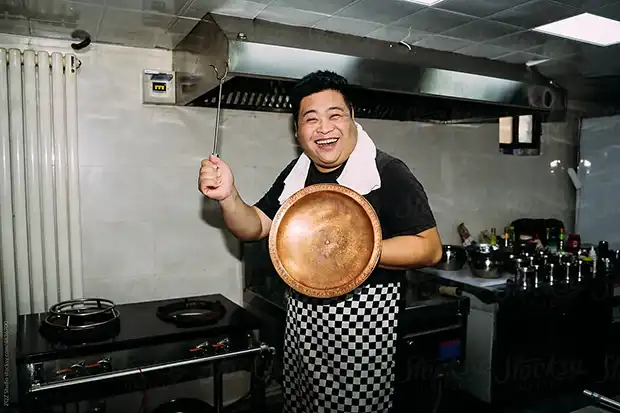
(404, 208)
(269, 203)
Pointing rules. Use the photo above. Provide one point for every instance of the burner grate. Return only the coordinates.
(73, 319)
(192, 313)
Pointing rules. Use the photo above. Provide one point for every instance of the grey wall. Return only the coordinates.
(147, 232)
(599, 169)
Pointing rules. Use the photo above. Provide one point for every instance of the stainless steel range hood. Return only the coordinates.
(390, 81)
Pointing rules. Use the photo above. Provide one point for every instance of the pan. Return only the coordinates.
(325, 240)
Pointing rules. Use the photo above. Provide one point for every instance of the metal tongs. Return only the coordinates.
(219, 101)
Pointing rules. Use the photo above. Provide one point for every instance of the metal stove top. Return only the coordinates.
(139, 326)
(163, 344)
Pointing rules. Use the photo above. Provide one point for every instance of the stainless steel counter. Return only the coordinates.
(464, 275)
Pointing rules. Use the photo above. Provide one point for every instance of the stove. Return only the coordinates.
(85, 355)
(81, 321)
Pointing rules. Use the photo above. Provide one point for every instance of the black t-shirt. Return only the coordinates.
(400, 203)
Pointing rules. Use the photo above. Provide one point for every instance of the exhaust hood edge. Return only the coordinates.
(205, 45)
(264, 52)
(306, 38)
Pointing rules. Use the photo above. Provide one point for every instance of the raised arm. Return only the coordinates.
(246, 222)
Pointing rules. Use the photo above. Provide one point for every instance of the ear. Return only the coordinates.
(352, 114)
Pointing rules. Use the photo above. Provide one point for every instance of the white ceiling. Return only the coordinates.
(493, 29)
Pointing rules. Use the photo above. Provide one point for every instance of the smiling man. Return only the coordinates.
(339, 353)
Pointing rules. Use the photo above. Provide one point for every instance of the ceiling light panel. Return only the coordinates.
(426, 2)
(587, 28)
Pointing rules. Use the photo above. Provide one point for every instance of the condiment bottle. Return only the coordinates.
(466, 238)
(574, 243)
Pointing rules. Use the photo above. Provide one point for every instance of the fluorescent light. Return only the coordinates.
(587, 28)
(426, 2)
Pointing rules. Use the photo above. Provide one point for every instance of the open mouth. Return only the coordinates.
(325, 143)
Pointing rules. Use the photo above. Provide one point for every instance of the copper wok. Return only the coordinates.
(325, 240)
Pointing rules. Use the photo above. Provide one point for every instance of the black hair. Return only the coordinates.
(316, 82)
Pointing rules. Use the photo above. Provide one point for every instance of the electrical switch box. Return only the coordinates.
(158, 87)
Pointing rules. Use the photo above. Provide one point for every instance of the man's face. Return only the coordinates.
(326, 130)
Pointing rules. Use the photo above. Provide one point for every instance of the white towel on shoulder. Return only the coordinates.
(360, 173)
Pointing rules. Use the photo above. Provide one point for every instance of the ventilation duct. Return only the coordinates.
(390, 81)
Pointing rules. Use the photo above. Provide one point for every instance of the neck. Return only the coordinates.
(326, 170)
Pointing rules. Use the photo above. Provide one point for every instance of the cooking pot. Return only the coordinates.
(325, 240)
(453, 258)
(484, 260)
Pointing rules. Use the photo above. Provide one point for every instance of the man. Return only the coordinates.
(339, 353)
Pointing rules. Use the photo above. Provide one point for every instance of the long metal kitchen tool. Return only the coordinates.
(219, 103)
(606, 402)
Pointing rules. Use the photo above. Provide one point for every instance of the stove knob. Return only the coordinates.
(64, 374)
(78, 365)
(105, 364)
(75, 370)
(100, 366)
(221, 346)
(200, 349)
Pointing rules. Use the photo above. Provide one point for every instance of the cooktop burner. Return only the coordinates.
(191, 313)
(52, 335)
(80, 321)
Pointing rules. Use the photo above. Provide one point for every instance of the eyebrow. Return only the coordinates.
(330, 108)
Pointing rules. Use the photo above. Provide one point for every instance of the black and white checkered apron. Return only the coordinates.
(339, 353)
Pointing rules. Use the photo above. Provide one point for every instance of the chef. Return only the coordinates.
(339, 353)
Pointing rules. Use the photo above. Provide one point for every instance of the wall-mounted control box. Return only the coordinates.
(158, 87)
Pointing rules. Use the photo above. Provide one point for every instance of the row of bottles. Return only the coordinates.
(532, 270)
(553, 259)
(555, 241)
(485, 237)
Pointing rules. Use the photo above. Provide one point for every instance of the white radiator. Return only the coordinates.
(40, 252)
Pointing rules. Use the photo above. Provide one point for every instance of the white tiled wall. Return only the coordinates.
(148, 233)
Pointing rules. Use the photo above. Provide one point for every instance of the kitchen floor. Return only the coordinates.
(565, 404)
(459, 402)
(455, 402)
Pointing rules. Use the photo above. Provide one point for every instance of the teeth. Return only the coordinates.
(326, 141)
